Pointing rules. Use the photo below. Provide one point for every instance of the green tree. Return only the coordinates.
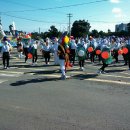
(80, 28)
(101, 34)
(94, 33)
(53, 32)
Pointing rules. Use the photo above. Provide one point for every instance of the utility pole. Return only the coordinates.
(69, 15)
(39, 30)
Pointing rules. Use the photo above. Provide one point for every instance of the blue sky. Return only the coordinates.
(34, 14)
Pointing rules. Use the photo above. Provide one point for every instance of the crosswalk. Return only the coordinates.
(90, 74)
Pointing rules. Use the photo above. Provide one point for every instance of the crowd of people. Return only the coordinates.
(68, 49)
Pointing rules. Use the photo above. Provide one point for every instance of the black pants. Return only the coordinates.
(103, 66)
(129, 59)
(47, 57)
(125, 56)
(72, 55)
(6, 58)
(81, 63)
(34, 58)
(26, 54)
(115, 55)
(92, 56)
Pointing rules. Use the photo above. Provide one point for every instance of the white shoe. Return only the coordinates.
(32, 64)
(5, 67)
(82, 68)
(63, 77)
(99, 71)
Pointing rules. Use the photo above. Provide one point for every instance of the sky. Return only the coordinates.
(32, 15)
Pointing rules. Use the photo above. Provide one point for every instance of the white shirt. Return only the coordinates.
(73, 44)
(46, 48)
(5, 48)
(35, 46)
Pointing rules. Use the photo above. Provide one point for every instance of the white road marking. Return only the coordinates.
(10, 75)
(13, 72)
(108, 81)
(1, 81)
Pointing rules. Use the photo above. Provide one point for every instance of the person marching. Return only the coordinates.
(128, 54)
(125, 42)
(92, 44)
(34, 53)
(81, 54)
(62, 54)
(106, 56)
(19, 47)
(26, 42)
(6, 53)
(115, 49)
(55, 49)
(73, 47)
(47, 50)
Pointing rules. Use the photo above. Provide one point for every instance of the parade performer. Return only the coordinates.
(73, 47)
(63, 53)
(34, 53)
(6, 52)
(26, 43)
(81, 54)
(47, 50)
(91, 48)
(115, 49)
(106, 57)
(55, 49)
(127, 51)
(125, 55)
(20, 47)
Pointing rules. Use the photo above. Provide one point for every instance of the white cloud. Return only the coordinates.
(115, 1)
(118, 13)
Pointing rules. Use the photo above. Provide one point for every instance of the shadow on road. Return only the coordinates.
(28, 81)
(48, 79)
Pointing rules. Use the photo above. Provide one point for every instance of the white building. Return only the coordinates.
(121, 27)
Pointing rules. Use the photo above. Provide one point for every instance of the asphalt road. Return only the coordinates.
(35, 98)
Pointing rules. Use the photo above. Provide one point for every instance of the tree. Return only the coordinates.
(101, 34)
(53, 32)
(80, 28)
(94, 33)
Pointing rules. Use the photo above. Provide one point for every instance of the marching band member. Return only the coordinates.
(26, 42)
(81, 54)
(34, 52)
(55, 49)
(92, 44)
(47, 50)
(106, 56)
(6, 53)
(62, 55)
(73, 47)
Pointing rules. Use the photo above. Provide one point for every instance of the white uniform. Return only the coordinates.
(56, 57)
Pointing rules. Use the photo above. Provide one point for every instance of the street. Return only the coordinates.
(35, 98)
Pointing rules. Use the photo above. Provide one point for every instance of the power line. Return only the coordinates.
(33, 20)
(59, 7)
(17, 3)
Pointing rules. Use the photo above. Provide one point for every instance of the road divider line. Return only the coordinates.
(13, 72)
(108, 81)
(1, 81)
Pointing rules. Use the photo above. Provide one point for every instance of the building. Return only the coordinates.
(121, 27)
